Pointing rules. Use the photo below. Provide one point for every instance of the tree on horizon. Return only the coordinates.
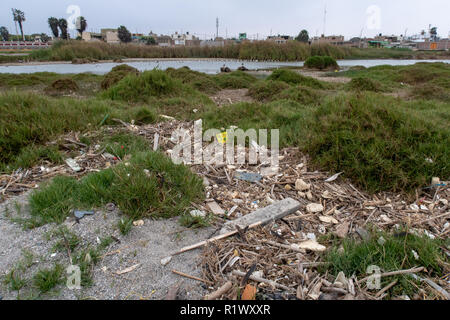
(124, 34)
(81, 25)
(19, 17)
(53, 23)
(4, 33)
(62, 23)
(303, 36)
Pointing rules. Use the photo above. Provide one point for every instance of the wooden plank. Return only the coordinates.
(265, 215)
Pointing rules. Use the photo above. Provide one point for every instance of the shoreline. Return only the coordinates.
(37, 63)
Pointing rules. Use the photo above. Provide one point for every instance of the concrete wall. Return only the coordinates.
(16, 45)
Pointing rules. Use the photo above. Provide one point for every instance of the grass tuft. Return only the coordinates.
(396, 253)
(149, 185)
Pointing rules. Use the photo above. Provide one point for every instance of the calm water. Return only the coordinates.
(206, 66)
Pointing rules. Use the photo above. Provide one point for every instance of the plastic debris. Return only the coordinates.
(248, 176)
(73, 165)
(81, 214)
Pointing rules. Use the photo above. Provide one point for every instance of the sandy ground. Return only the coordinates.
(144, 246)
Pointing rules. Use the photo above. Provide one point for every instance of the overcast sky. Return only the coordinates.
(255, 17)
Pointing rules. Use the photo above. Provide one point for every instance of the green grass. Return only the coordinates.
(125, 225)
(197, 80)
(14, 280)
(47, 279)
(292, 77)
(116, 74)
(149, 185)
(395, 254)
(134, 88)
(267, 90)
(364, 84)
(122, 144)
(321, 63)
(235, 80)
(29, 121)
(393, 77)
(379, 142)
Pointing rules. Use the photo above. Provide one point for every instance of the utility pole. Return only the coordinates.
(324, 19)
(217, 27)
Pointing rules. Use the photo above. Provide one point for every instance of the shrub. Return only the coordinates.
(150, 185)
(364, 84)
(199, 81)
(133, 88)
(62, 86)
(235, 80)
(321, 63)
(293, 77)
(116, 74)
(266, 90)
(429, 91)
(303, 95)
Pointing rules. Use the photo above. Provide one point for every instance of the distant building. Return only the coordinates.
(443, 44)
(333, 40)
(185, 39)
(110, 35)
(279, 39)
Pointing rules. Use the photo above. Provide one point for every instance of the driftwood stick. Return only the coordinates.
(390, 285)
(219, 292)
(219, 237)
(395, 273)
(258, 279)
(192, 277)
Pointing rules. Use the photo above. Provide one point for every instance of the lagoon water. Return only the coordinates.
(207, 66)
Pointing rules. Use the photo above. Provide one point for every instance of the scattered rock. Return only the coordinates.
(363, 233)
(311, 245)
(342, 230)
(301, 185)
(215, 208)
(166, 261)
(314, 207)
(197, 213)
(138, 223)
(330, 220)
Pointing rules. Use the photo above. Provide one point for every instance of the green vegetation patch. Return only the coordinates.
(199, 81)
(47, 279)
(116, 74)
(321, 63)
(235, 80)
(301, 94)
(390, 252)
(266, 90)
(149, 185)
(29, 121)
(135, 88)
(292, 77)
(379, 142)
(364, 84)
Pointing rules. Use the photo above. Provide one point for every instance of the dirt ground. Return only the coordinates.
(144, 246)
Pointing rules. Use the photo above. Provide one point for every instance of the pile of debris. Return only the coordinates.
(278, 251)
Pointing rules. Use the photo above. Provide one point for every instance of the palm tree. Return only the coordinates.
(4, 33)
(53, 23)
(62, 23)
(19, 17)
(81, 25)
